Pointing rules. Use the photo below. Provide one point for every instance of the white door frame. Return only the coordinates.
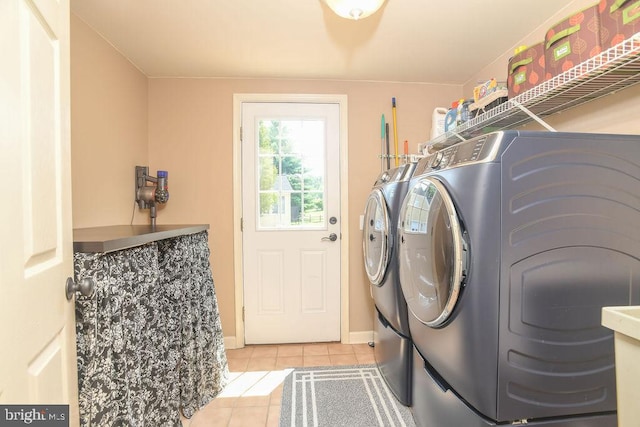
(238, 99)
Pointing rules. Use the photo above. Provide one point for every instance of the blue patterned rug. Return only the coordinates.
(340, 396)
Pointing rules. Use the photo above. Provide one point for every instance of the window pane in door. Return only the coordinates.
(291, 174)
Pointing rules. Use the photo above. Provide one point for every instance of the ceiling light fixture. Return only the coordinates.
(354, 9)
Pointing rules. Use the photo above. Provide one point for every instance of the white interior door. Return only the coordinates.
(291, 222)
(37, 332)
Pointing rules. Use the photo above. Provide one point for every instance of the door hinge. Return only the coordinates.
(240, 133)
(241, 225)
(243, 314)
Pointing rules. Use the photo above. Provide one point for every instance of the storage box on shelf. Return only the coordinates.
(619, 20)
(572, 41)
(613, 69)
(526, 69)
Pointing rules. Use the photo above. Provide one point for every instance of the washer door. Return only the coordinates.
(432, 252)
(376, 243)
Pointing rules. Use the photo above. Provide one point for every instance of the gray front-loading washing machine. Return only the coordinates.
(510, 245)
(392, 343)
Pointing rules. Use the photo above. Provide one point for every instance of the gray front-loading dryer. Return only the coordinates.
(392, 343)
(510, 245)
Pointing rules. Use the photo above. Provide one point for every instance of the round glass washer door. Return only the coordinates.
(432, 252)
(376, 243)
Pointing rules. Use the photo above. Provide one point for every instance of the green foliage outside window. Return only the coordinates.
(280, 156)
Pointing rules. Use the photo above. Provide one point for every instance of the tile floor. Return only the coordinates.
(253, 396)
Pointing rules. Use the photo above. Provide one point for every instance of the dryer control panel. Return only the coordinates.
(477, 150)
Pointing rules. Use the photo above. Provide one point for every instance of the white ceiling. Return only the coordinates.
(406, 41)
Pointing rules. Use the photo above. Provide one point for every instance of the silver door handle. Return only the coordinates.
(86, 287)
(333, 237)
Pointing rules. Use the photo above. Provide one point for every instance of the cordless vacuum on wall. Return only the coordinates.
(147, 196)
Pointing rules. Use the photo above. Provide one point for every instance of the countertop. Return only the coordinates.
(118, 237)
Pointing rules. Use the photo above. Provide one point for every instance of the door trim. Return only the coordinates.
(341, 100)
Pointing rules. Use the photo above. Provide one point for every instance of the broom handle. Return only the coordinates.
(388, 153)
(395, 130)
(382, 123)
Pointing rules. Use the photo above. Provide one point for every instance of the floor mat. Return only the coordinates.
(340, 396)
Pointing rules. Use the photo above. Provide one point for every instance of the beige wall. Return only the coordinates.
(108, 129)
(120, 119)
(190, 135)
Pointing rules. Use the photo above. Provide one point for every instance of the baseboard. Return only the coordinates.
(230, 343)
(360, 337)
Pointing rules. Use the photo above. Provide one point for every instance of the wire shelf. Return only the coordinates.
(610, 71)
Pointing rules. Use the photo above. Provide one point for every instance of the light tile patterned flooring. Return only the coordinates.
(254, 394)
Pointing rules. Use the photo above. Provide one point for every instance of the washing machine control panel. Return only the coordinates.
(393, 175)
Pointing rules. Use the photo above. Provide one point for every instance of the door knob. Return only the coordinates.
(333, 237)
(86, 287)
